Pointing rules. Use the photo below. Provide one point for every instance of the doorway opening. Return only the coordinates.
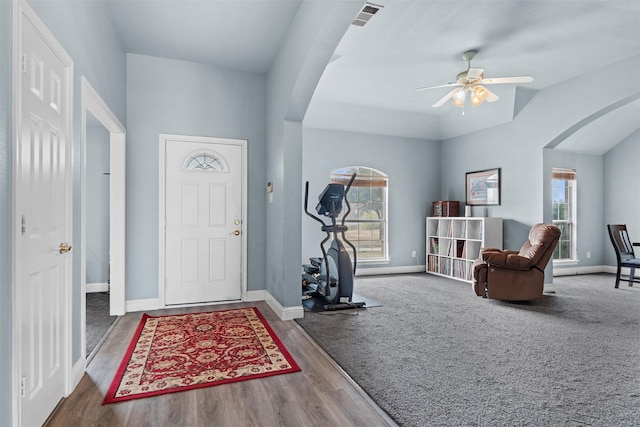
(103, 220)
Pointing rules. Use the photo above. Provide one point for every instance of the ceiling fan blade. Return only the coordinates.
(435, 87)
(501, 80)
(474, 73)
(491, 97)
(444, 99)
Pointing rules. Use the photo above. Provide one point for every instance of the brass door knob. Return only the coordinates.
(64, 248)
(236, 232)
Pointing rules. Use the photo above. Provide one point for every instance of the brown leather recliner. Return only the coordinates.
(513, 275)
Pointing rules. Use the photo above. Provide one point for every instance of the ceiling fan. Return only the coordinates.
(469, 83)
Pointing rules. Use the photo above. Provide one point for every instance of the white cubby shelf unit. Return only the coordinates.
(454, 243)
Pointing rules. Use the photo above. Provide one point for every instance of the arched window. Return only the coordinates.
(367, 220)
(205, 162)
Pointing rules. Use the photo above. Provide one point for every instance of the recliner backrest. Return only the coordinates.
(542, 241)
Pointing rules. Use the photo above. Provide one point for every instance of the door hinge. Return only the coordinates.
(23, 386)
(24, 63)
(165, 222)
(23, 226)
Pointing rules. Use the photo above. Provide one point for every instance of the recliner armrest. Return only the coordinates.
(486, 250)
(507, 259)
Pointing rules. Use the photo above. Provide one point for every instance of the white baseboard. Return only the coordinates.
(625, 271)
(589, 270)
(391, 270)
(284, 313)
(77, 372)
(571, 271)
(251, 296)
(97, 287)
(143, 304)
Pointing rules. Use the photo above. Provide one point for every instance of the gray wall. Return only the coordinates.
(97, 213)
(622, 196)
(177, 97)
(413, 167)
(311, 39)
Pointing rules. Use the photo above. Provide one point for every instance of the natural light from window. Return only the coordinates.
(367, 220)
(564, 212)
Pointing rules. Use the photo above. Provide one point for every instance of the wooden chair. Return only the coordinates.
(624, 253)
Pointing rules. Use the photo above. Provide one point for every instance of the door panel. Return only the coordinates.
(44, 207)
(203, 252)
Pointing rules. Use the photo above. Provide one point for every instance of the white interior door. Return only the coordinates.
(203, 207)
(43, 184)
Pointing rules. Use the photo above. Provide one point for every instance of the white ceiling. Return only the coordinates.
(408, 44)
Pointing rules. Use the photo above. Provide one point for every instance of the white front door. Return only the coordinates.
(43, 210)
(203, 207)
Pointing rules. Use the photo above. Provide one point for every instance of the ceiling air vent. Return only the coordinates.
(366, 13)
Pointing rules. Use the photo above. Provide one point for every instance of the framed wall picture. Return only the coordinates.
(483, 188)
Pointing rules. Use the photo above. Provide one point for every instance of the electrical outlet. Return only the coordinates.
(588, 254)
(413, 254)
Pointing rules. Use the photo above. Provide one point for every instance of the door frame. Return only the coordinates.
(91, 102)
(22, 11)
(164, 139)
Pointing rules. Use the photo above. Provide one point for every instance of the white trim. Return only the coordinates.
(563, 262)
(143, 304)
(93, 103)
(579, 270)
(163, 138)
(391, 270)
(96, 287)
(21, 10)
(284, 313)
(252, 296)
(612, 269)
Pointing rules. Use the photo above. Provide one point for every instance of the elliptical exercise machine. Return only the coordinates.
(329, 280)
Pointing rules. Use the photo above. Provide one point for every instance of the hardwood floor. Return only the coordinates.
(320, 395)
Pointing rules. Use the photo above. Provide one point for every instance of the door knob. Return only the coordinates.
(64, 248)
(236, 232)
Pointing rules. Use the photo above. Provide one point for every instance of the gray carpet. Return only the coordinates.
(98, 319)
(435, 354)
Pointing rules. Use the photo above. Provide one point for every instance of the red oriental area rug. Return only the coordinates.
(185, 351)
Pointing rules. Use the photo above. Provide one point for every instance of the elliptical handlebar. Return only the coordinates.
(346, 214)
(346, 200)
(334, 227)
(306, 204)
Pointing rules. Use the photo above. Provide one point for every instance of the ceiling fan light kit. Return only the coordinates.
(471, 80)
(459, 97)
(479, 95)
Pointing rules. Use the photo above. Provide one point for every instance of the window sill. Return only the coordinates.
(565, 262)
(374, 261)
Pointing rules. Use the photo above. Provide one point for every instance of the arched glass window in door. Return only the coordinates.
(368, 219)
(205, 162)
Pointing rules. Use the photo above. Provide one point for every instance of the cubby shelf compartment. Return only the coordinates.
(454, 243)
